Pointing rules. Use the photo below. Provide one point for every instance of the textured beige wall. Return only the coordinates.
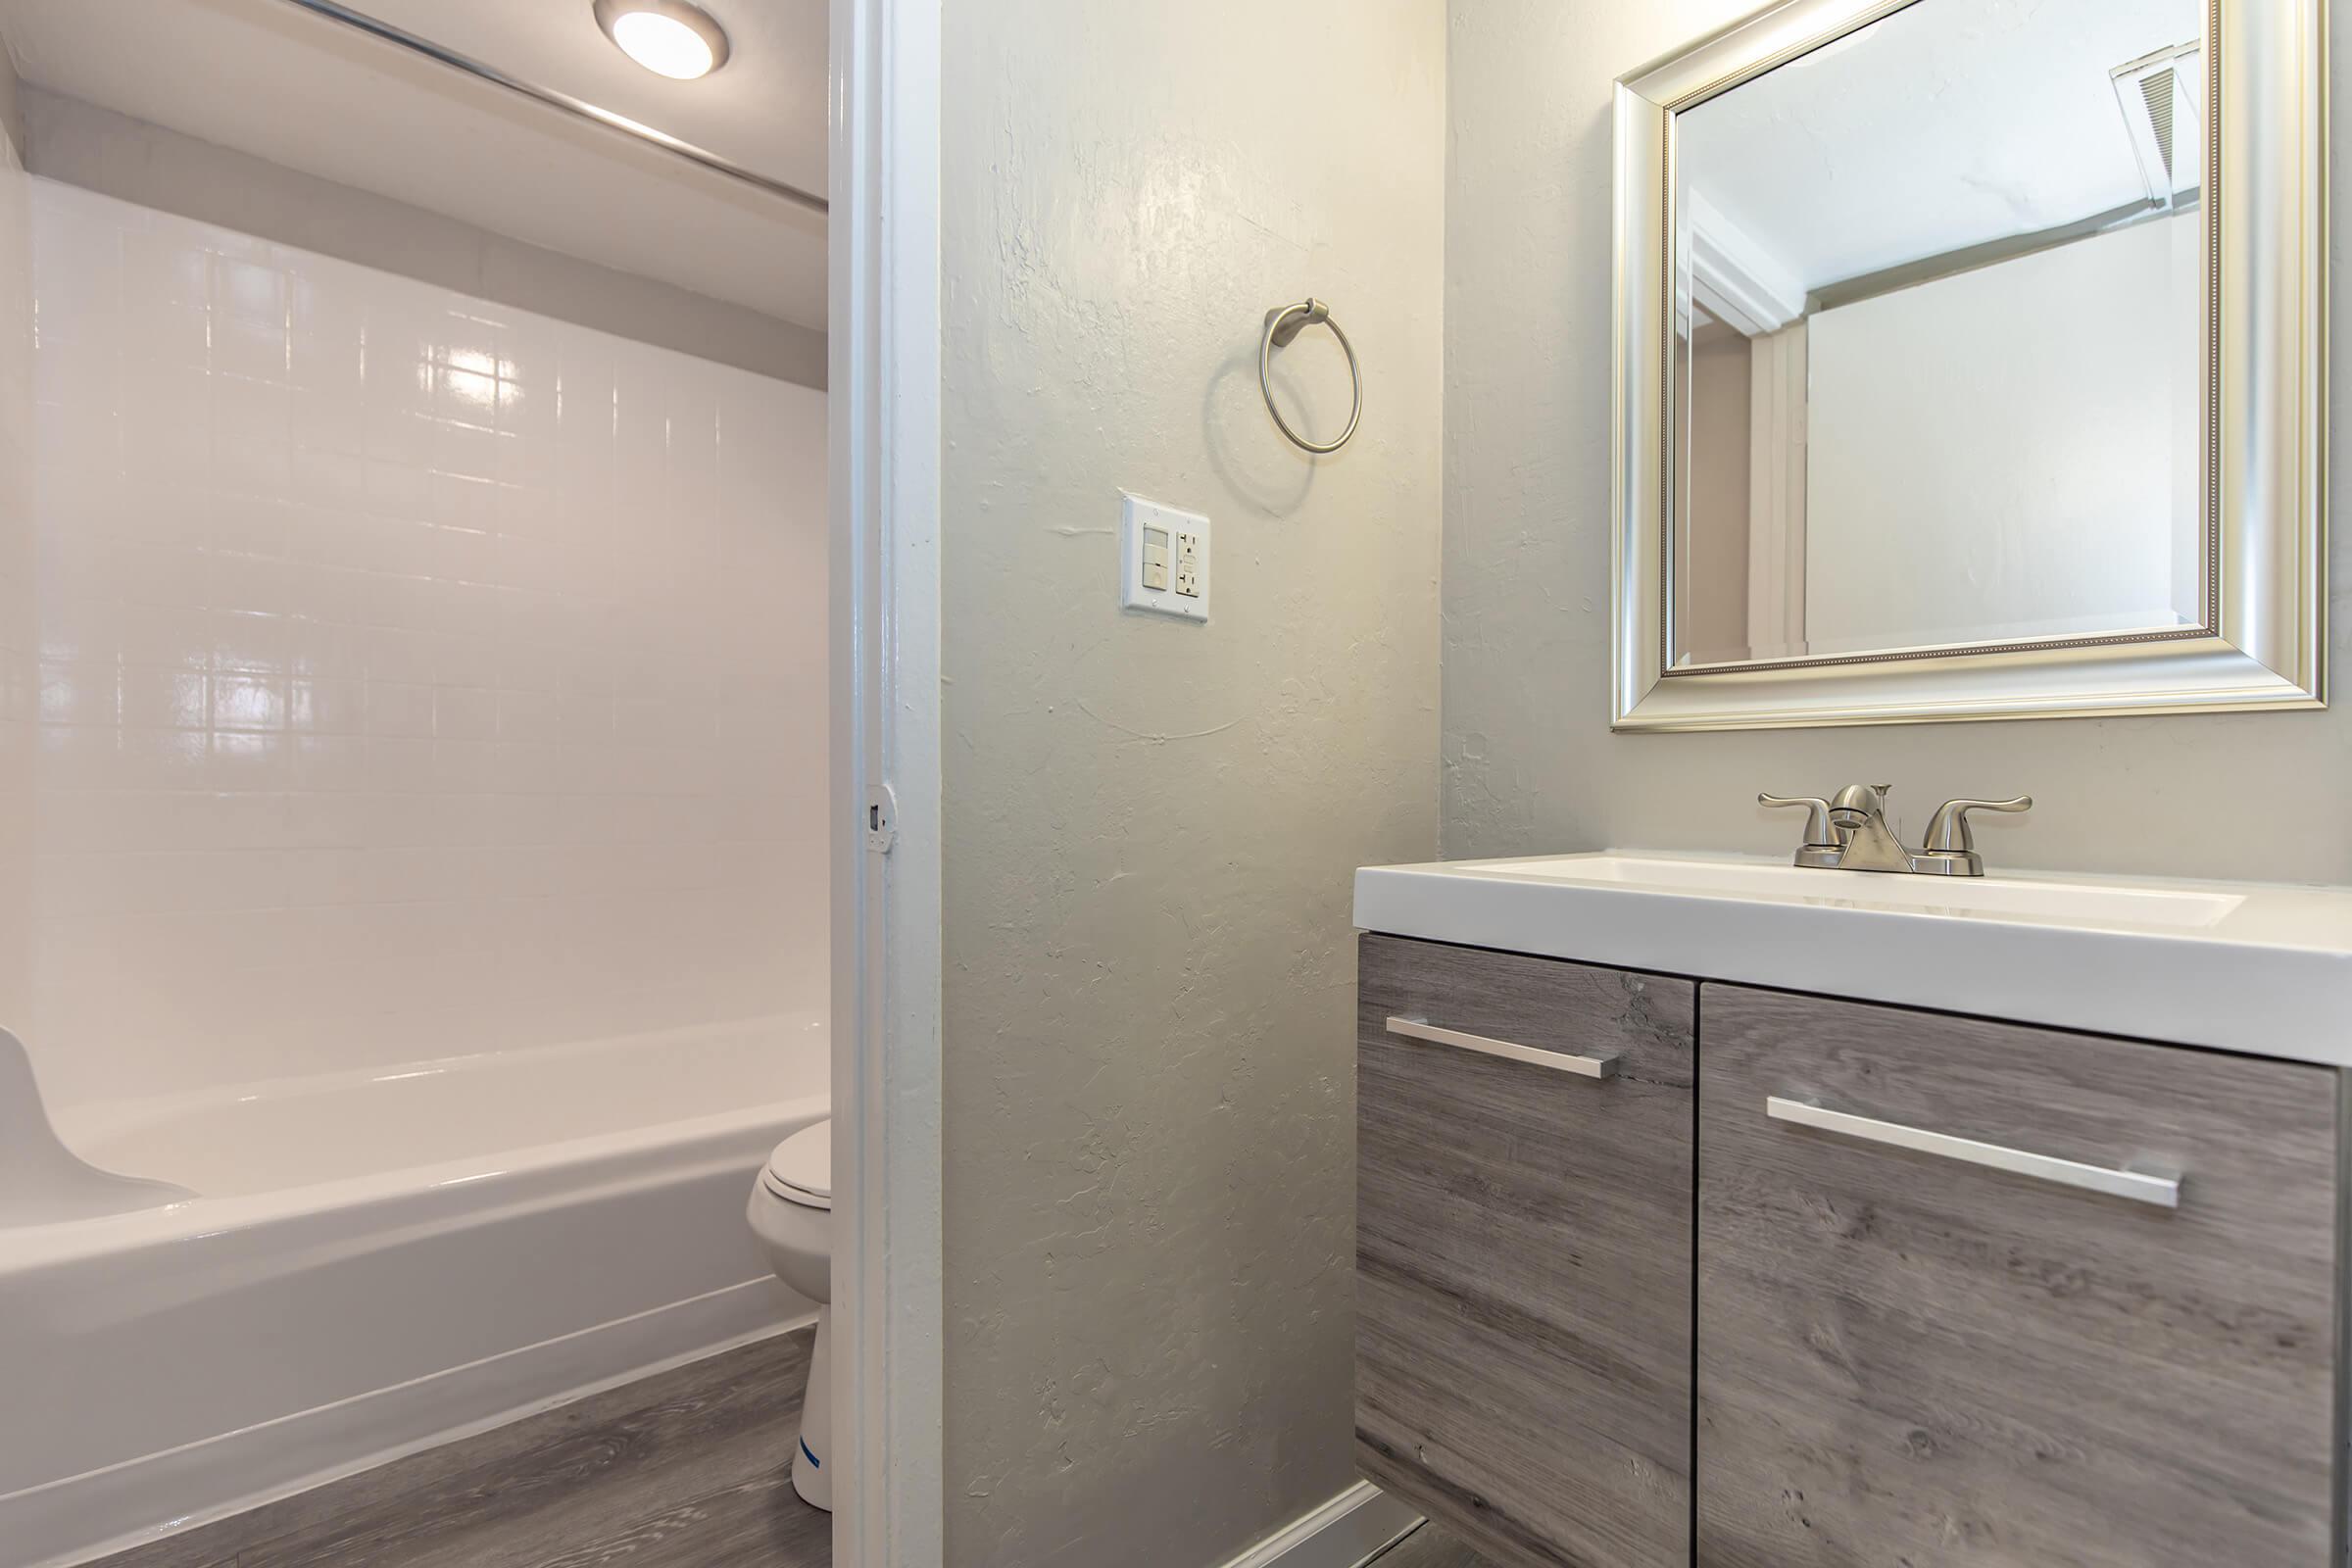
(1150, 825)
(134, 160)
(1529, 764)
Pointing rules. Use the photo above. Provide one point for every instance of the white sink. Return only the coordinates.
(2256, 967)
(1965, 898)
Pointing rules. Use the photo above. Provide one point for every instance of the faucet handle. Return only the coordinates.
(1947, 831)
(1817, 816)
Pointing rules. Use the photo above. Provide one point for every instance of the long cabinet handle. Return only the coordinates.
(2164, 1191)
(1601, 1066)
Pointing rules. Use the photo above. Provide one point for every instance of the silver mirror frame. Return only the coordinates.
(2265, 465)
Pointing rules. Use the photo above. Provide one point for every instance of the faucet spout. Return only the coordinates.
(1856, 804)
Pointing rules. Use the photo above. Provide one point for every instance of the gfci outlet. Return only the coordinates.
(1163, 559)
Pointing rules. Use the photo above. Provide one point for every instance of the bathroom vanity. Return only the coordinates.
(1867, 1209)
(1731, 1212)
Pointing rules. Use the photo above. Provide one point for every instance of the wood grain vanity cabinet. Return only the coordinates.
(1811, 1282)
(1908, 1357)
(1522, 1260)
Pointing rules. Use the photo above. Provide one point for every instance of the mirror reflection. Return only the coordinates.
(1938, 347)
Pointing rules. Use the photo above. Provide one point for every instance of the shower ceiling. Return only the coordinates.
(766, 111)
(265, 78)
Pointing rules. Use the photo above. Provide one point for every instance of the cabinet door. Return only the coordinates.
(1945, 1316)
(1523, 1251)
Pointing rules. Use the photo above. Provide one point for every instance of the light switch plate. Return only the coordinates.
(1163, 559)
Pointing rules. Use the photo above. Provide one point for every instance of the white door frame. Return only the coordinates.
(884, 401)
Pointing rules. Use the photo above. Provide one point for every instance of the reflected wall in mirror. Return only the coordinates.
(1954, 333)
(1937, 356)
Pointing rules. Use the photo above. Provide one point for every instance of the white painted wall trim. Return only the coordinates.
(1734, 277)
(1776, 479)
(1340, 1534)
(885, 411)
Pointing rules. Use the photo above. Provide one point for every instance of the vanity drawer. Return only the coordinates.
(1524, 1134)
(1947, 1314)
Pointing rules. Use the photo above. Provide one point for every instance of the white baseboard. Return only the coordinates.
(1340, 1534)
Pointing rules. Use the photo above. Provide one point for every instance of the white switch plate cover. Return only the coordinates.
(1137, 515)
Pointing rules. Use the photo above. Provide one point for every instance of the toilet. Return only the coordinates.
(792, 1214)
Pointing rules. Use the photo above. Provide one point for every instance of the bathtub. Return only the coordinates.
(378, 1260)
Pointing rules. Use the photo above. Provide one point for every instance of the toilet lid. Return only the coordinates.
(801, 1170)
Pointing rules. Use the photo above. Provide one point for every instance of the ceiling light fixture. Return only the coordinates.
(670, 37)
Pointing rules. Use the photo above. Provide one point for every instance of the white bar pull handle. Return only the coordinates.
(2140, 1187)
(1601, 1066)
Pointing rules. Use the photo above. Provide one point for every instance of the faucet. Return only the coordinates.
(1849, 833)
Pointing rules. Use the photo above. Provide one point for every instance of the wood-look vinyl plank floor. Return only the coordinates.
(687, 1469)
(1429, 1546)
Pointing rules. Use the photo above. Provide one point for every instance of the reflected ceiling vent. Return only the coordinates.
(2156, 91)
(2158, 96)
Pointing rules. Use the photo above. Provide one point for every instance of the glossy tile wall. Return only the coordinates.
(16, 680)
(416, 677)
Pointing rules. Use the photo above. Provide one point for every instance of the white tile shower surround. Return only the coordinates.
(18, 689)
(415, 676)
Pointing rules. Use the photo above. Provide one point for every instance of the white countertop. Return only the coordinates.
(2262, 968)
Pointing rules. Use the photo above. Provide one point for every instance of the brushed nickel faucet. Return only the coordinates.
(1849, 833)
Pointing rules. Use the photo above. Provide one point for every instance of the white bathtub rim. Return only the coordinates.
(186, 1477)
(146, 1108)
(586, 1165)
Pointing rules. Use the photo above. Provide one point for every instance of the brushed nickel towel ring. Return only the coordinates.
(1284, 325)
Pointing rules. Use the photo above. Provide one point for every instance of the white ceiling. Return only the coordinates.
(267, 78)
(1946, 125)
(765, 109)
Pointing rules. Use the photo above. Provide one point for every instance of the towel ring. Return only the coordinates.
(1284, 325)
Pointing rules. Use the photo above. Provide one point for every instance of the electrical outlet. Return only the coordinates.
(1163, 559)
(1188, 565)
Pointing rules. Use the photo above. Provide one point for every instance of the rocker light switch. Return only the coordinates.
(1163, 559)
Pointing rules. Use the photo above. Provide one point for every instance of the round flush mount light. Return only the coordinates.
(670, 37)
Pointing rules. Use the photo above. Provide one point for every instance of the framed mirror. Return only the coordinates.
(1971, 363)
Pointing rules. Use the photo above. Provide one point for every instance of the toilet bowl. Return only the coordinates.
(792, 1213)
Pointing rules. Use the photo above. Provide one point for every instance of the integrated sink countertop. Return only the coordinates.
(2257, 967)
